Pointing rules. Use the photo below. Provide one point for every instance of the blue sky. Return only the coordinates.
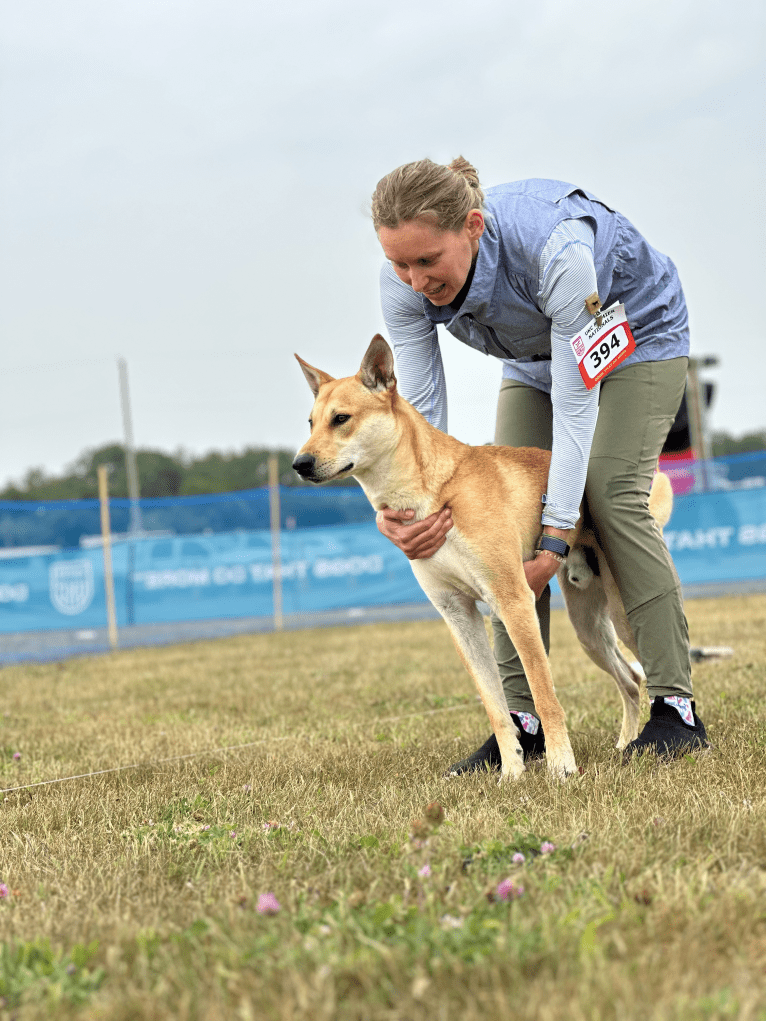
(185, 184)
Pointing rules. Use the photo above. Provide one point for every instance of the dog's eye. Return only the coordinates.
(340, 419)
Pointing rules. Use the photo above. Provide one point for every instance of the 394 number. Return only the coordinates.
(601, 354)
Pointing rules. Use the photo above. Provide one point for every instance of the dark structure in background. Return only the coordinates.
(679, 439)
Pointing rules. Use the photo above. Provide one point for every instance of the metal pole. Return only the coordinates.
(276, 553)
(696, 425)
(106, 535)
(131, 468)
(135, 525)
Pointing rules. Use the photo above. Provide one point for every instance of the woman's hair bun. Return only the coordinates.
(461, 166)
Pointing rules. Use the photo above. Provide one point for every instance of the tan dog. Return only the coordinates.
(361, 426)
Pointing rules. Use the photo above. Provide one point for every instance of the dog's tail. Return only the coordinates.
(581, 566)
(661, 499)
(582, 562)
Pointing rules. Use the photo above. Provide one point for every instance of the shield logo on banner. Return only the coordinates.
(71, 586)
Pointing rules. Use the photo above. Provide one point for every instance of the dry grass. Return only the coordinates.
(651, 906)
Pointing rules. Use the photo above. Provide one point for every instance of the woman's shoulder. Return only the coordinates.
(543, 188)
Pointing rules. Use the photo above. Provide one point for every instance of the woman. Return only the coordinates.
(517, 275)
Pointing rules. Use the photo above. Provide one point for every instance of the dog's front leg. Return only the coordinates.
(470, 637)
(516, 609)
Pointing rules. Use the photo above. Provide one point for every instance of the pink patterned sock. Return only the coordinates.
(529, 722)
(684, 707)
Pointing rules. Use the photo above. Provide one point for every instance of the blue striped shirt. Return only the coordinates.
(567, 276)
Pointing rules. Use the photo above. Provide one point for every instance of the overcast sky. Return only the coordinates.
(186, 183)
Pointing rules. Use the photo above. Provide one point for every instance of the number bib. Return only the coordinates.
(604, 343)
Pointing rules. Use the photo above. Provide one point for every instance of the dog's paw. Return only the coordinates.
(514, 772)
(561, 764)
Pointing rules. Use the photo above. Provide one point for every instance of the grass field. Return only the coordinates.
(141, 893)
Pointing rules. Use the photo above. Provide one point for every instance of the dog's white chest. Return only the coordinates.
(454, 568)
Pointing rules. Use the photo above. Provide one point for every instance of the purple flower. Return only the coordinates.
(16, 756)
(267, 904)
(507, 890)
(518, 858)
(233, 834)
(3, 891)
(203, 828)
(425, 872)
(547, 847)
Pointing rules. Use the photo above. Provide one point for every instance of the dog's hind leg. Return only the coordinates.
(516, 608)
(589, 612)
(469, 634)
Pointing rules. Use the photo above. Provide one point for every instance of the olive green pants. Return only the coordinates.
(637, 406)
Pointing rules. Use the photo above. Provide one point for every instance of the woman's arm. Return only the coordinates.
(420, 380)
(568, 277)
(419, 369)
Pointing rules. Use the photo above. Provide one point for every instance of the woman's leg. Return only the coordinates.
(636, 409)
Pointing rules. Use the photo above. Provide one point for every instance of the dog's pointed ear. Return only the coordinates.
(314, 377)
(377, 369)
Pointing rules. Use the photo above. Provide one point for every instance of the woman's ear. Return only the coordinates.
(474, 224)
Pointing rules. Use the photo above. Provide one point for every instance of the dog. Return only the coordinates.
(362, 427)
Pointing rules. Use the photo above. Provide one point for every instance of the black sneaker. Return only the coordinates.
(667, 735)
(488, 756)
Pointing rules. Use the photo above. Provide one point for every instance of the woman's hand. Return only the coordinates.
(418, 540)
(539, 572)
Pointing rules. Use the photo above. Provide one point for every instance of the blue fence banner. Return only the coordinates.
(204, 577)
(720, 536)
(168, 577)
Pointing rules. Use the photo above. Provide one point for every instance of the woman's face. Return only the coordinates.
(433, 262)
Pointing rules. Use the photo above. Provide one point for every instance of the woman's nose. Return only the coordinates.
(418, 279)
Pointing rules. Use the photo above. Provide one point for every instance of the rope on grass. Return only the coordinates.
(138, 765)
(211, 751)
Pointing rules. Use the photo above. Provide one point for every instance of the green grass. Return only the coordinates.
(134, 894)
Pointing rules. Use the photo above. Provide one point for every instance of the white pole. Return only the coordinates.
(106, 535)
(136, 525)
(276, 553)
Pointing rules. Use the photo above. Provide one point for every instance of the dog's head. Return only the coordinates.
(351, 422)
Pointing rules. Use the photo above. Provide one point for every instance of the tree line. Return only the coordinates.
(160, 474)
(180, 474)
(723, 444)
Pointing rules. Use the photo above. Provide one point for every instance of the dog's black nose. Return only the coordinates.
(304, 464)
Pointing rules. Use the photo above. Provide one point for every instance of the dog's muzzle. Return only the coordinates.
(305, 464)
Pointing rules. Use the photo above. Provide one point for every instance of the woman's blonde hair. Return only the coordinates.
(445, 194)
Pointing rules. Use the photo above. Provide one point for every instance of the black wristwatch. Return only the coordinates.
(553, 544)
